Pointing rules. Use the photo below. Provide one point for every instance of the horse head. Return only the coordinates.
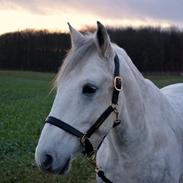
(84, 89)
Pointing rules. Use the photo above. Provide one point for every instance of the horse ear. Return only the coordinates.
(77, 39)
(103, 41)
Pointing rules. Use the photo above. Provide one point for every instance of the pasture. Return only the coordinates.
(24, 103)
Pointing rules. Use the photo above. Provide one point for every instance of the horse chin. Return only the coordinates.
(64, 169)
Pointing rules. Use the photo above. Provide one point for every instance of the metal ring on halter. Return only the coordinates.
(83, 138)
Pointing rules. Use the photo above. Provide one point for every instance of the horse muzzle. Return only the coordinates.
(49, 163)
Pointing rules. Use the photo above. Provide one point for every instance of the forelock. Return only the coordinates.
(75, 57)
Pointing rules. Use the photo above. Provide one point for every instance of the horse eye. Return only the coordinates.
(89, 89)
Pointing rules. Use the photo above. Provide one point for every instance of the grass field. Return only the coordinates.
(24, 103)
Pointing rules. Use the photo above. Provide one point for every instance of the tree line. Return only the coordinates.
(151, 49)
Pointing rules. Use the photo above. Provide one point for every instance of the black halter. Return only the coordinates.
(84, 137)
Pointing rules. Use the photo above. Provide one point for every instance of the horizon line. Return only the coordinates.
(86, 28)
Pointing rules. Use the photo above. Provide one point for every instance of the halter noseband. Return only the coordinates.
(84, 137)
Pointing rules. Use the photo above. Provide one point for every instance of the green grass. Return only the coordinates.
(24, 103)
(164, 80)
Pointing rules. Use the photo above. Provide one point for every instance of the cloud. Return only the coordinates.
(31, 6)
(165, 10)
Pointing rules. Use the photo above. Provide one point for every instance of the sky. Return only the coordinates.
(54, 14)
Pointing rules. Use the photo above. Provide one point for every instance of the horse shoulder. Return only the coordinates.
(174, 94)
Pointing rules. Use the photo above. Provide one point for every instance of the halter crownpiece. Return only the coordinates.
(84, 137)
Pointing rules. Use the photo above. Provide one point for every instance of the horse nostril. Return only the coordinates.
(48, 162)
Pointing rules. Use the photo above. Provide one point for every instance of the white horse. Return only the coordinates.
(147, 147)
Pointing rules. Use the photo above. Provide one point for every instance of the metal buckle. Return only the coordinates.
(97, 169)
(82, 139)
(92, 157)
(117, 83)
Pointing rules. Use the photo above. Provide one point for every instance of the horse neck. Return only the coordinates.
(135, 107)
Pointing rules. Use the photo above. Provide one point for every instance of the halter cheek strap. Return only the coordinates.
(84, 137)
